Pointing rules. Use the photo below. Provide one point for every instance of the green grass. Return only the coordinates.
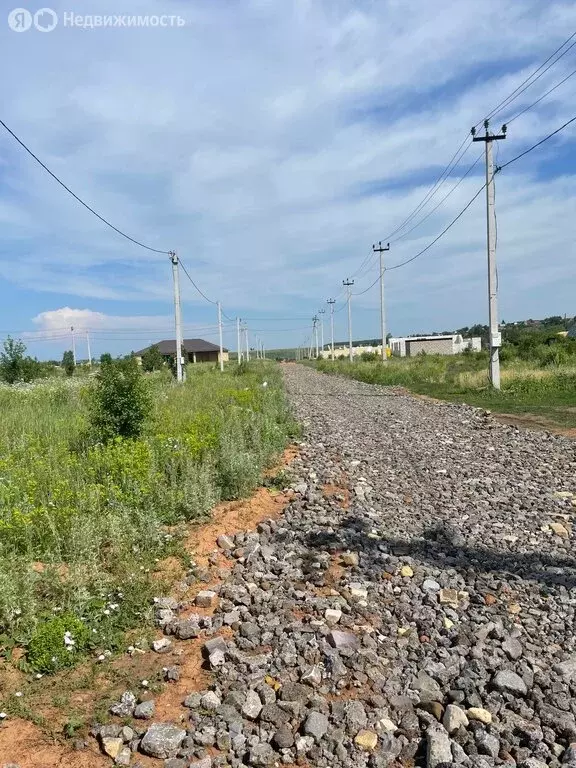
(547, 392)
(82, 525)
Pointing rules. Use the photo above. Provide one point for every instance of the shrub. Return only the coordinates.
(56, 643)
(105, 358)
(68, 362)
(120, 402)
(152, 360)
(16, 366)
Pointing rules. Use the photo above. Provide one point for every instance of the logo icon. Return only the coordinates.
(45, 20)
(20, 20)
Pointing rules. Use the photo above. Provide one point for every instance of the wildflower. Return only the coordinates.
(101, 657)
(3, 715)
(144, 683)
(106, 612)
(39, 675)
(18, 694)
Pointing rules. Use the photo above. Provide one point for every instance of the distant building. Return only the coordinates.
(198, 350)
(450, 344)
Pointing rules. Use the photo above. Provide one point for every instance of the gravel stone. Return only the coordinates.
(145, 710)
(509, 682)
(453, 602)
(316, 725)
(162, 740)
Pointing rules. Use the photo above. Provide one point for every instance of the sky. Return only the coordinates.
(270, 144)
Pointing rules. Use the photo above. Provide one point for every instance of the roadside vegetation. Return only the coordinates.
(538, 376)
(98, 476)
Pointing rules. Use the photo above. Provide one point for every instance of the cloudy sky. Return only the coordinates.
(271, 143)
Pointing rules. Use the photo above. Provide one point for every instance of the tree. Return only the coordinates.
(152, 359)
(120, 401)
(68, 362)
(15, 365)
(105, 358)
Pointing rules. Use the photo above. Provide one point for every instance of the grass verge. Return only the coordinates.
(81, 526)
(548, 393)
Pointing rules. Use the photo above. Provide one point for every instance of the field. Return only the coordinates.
(82, 524)
(532, 392)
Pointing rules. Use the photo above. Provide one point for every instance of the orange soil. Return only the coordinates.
(26, 744)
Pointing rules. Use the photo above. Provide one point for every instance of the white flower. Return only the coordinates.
(106, 612)
(3, 715)
(39, 675)
(144, 683)
(101, 657)
(18, 694)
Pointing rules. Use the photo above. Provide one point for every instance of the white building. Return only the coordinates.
(450, 344)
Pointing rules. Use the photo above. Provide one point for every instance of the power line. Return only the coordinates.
(525, 84)
(454, 188)
(469, 203)
(548, 92)
(538, 143)
(75, 196)
(194, 284)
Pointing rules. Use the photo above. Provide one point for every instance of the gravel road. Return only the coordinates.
(413, 606)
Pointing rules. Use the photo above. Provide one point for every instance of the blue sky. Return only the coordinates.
(270, 144)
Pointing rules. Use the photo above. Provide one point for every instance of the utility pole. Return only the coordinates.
(380, 250)
(332, 302)
(349, 284)
(73, 345)
(89, 352)
(322, 312)
(246, 342)
(177, 316)
(315, 332)
(495, 339)
(221, 354)
(238, 345)
(263, 351)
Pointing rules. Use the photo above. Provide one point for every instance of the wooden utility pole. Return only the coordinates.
(495, 337)
(380, 250)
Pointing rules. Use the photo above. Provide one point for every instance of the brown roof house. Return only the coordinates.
(198, 350)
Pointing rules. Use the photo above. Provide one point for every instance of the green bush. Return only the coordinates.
(120, 403)
(68, 362)
(15, 365)
(57, 643)
(152, 360)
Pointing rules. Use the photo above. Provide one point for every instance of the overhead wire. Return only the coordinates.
(548, 92)
(498, 169)
(523, 86)
(76, 197)
(531, 79)
(194, 284)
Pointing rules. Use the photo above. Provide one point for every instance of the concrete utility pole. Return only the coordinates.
(89, 352)
(322, 312)
(238, 345)
(315, 332)
(246, 343)
(349, 284)
(177, 316)
(331, 302)
(380, 250)
(495, 338)
(73, 345)
(221, 354)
